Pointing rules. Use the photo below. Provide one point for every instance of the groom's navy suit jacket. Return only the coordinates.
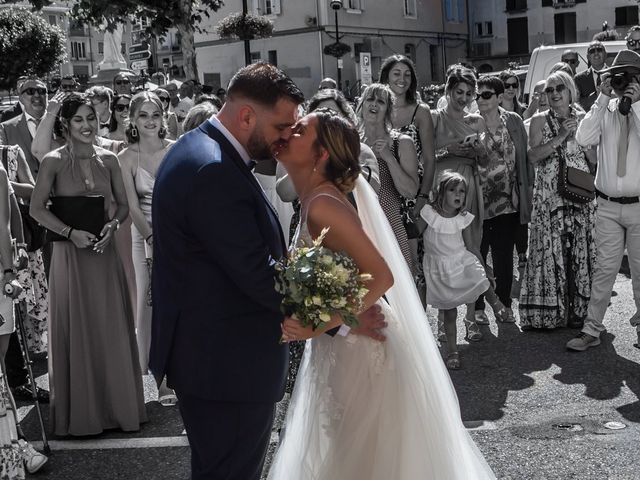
(216, 315)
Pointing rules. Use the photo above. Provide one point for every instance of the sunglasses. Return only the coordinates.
(163, 98)
(121, 107)
(633, 43)
(595, 50)
(485, 95)
(33, 90)
(123, 82)
(560, 88)
(511, 85)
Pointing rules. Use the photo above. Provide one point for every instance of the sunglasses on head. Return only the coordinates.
(633, 43)
(123, 82)
(121, 107)
(559, 88)
(485, 95)
(33, 90)
(511, 85)
(595, 50)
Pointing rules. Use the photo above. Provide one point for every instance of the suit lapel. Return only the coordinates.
(233, 154)
(25, 143)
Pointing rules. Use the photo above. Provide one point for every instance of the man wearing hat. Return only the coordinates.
(613, 125)
(588, 80)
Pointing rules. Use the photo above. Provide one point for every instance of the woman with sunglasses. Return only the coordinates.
(507, 185)
(557, 278)
(93, 358)
(119, 117)
(169, 117)
(122, 84)
(511, 91)
(140, 161)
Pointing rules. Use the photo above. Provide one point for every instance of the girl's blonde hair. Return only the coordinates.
(447, 178)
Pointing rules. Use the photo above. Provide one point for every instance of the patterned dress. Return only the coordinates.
(562, 251)
(34, 281)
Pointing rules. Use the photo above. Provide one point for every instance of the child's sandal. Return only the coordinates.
(453, 361)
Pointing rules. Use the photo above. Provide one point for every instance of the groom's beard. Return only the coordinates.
(258, 148)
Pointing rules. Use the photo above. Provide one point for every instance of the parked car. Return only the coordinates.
(546, 56)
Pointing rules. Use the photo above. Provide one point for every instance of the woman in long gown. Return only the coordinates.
(562, 252)
(93, 358)
(140, 161)
(361, 409)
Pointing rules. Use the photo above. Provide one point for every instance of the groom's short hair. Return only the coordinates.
(263, 83)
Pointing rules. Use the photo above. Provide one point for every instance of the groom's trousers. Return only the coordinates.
(228, 440)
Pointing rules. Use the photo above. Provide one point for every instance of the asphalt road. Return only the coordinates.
(535, 410)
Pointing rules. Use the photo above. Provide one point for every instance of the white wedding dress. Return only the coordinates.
(365, 410)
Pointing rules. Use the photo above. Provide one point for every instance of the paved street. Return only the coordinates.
(536, 411)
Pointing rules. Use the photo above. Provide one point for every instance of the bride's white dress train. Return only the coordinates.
(364, 410)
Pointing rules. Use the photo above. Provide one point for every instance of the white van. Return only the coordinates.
(546, 56)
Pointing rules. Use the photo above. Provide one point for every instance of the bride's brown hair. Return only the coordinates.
(342, 141)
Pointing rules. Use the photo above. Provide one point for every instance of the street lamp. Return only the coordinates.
(337, 5)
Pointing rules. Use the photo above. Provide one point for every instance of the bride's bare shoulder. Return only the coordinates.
(332, 209)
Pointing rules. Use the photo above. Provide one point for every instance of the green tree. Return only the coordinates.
(28, 45)
(184, 15)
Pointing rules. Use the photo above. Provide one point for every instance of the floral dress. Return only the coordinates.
(562, 251)
(34, 281)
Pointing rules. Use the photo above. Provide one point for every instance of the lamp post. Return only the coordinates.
(336, 5)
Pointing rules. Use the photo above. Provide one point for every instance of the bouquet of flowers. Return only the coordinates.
(317, 282)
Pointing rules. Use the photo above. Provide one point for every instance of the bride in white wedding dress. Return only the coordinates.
(361, 409)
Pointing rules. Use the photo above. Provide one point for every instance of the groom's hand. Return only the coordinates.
(370, 324)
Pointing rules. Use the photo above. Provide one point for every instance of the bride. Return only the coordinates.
(361, 409)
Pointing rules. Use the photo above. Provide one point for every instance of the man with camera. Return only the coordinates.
(613, 124)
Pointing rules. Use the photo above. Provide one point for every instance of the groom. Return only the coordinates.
(216, 314)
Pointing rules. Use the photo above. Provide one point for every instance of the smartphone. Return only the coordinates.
(470, 138)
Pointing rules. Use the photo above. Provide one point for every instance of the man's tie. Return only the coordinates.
(35, 122)
(623, 145)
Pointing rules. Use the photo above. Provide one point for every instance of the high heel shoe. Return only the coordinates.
(473, 331)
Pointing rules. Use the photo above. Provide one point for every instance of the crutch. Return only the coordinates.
(21, 311)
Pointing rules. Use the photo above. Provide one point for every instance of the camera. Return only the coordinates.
(620, 81)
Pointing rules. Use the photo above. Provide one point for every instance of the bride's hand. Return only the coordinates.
(370, 322)
(292, 330)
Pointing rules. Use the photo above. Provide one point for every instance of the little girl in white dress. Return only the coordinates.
(453, 268)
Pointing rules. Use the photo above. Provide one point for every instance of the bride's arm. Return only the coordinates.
(345, 235)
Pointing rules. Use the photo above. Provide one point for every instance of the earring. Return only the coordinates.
(134, 132)
(162, 132)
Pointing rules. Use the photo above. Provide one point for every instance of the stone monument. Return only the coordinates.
(113, 63)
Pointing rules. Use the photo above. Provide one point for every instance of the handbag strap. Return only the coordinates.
(5, 156)
(559, 149)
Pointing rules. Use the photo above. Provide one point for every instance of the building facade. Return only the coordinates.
(504, 31)
(433, 33)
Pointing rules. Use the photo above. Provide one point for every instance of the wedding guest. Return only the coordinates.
(122, 84)
(557, 278)
(507, 185)
(93, 359)
(561, 67)
(633, 39)
(15, 452)
(328, 84)
(510, 100)
(119, 117)
(198, 114)
(397, 158)
(570, 57)
(588, 81)
(69, 84)
(140, 160)
(618, 194)
(101, 99)
(170, 118)
(412, 117)
(452, 126)
(172, 88)
(539, 103)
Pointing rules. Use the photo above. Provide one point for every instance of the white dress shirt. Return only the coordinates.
(601, 127)
(228, 135)
(32, 124)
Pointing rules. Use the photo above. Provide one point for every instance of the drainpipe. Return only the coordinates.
(320, 39)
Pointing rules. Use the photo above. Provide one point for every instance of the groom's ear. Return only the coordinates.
(246, 117)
